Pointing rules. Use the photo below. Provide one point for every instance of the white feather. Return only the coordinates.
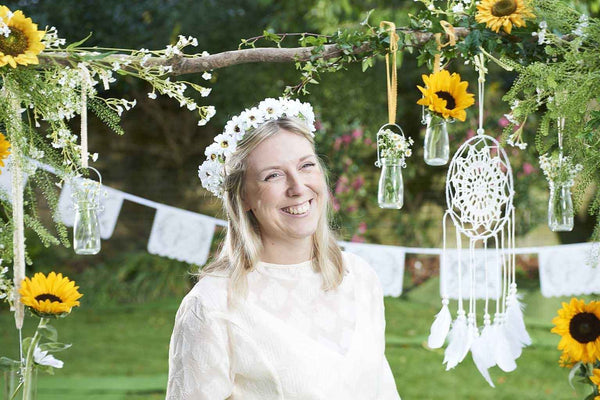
(514, 320)
(458, 343)
(502, 352)
(482, 351)
(440, 327)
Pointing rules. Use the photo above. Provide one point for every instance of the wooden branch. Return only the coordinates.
(191, 65)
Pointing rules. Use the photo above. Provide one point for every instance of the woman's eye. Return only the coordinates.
(273, 175)
(307, 165)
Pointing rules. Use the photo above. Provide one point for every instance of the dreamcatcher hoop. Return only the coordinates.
(480, 188)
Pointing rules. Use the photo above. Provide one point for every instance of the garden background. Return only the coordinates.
(121, 331)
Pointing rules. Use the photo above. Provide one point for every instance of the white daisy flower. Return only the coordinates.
(213, 152)
(271, 108)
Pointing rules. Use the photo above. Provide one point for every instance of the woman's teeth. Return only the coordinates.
(298, 209)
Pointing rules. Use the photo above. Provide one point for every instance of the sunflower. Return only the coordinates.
(595, 378)
(49, 296)
(579, 325)
(4, 149)
(564, 361)
(23, 43)
(446, 95)
(504, 14)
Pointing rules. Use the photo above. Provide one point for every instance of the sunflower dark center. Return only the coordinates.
(584, 327)
(450, 102)
(15, 44)
(502, 8)
(47, 296)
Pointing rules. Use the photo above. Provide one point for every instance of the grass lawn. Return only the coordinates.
(121, 353)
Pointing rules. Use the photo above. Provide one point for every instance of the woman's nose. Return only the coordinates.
(295, 184)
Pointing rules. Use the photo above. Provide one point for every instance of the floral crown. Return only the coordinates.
(212, 171)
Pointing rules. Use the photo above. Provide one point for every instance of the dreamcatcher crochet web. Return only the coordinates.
(479, 199)
(479, 187)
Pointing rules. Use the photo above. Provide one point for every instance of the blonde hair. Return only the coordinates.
(240, 250)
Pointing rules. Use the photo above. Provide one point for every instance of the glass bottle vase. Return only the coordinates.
(560, 207)
(86, 229)
(391, 185)
(12, 379)
(437, 143)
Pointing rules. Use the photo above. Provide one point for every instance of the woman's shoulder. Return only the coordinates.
(210, 293)
(360, 267)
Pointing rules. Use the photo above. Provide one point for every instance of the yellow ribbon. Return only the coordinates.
(392, 78)
(449, 30)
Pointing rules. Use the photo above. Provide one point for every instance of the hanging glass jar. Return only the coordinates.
(392, 150)
(86, 227)
(12, 383)
(391, 185)
(437, 143)
(560, 207)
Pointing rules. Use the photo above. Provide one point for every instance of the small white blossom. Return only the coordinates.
(205, 91)
(210, 111)
(43, 358)
(171, 51)
(458, 8)
(581, 25)
(541, 34)
(4, 29)
(152, 95)
(206, 76)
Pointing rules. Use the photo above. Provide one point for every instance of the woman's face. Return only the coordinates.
(285, 187)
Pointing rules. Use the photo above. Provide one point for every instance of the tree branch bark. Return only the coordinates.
(185, 65)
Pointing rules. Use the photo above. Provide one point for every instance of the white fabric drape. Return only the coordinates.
(6, 179)
(449, 273)
(387, 261)
(181, 235)
(569, 270)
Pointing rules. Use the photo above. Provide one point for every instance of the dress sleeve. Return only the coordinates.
(199, 359)
(387, 384)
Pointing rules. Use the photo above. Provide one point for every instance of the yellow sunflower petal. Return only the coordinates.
(446, 95)
(578, 324)
(24, 41)
(504, 14)
(50, 295)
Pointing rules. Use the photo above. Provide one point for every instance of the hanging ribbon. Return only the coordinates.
(13, 125)
(560, 124)
(85, 77)
(392, 78)
(449, 30)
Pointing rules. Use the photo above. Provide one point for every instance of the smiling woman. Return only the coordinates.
(282, 312)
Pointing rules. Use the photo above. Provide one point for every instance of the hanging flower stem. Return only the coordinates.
(29, 361)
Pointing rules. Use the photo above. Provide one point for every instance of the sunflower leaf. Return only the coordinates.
(49, 332)
(54, 346)
(573, 372)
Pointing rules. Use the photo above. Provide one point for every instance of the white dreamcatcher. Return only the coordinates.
(479, 197)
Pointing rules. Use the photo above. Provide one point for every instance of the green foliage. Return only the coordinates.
(107, 115)
(563, 84)
(135, 278)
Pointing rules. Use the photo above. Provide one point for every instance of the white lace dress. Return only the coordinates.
(289, 340)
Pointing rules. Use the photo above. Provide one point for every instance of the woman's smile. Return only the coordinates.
(298, 210)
